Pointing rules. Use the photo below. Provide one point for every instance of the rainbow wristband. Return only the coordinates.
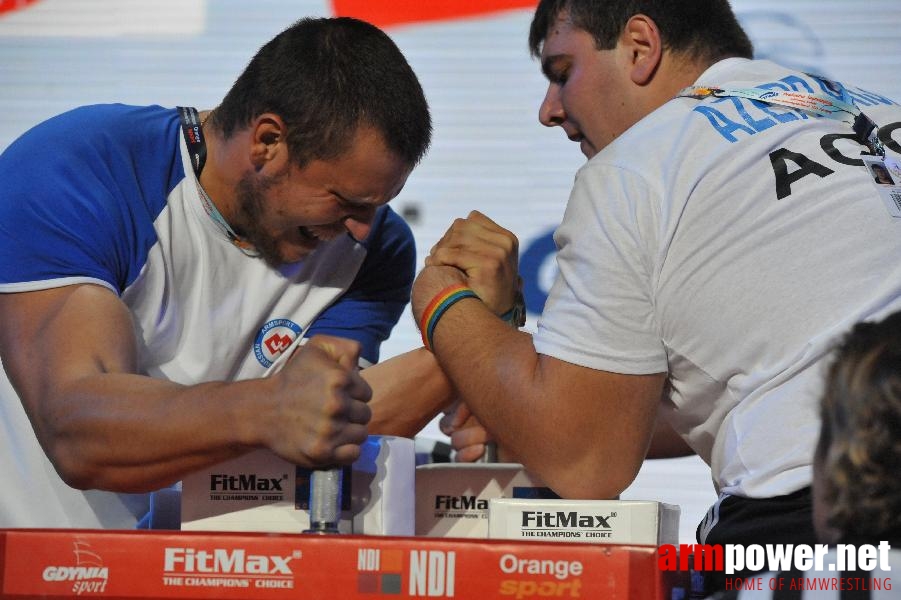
(438, 306)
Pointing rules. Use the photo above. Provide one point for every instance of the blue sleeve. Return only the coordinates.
(372, 305)
(79, 194)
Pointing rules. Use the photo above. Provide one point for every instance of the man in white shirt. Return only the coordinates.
(715, 246)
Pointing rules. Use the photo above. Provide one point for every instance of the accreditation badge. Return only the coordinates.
(885, 173)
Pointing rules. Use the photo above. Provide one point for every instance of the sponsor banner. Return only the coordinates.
(156, 564)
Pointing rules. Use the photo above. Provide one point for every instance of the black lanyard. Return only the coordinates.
(193, 132)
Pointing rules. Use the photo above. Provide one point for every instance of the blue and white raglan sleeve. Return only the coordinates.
(372, 305)
(72, 209)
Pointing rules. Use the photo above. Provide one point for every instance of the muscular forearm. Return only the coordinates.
(573, 436)
(100, 424)
(131, 433)
(582, 430)
(105, 427)
(498, 385)
(408, 390)
(104, 441)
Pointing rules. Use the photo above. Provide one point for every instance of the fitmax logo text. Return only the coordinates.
(245, 483)
(564, 519)
(220, 560)
(460, 503)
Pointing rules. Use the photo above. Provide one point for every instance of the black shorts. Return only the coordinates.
(735, 520)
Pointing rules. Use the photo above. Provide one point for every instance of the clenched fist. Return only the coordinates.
(317, 411)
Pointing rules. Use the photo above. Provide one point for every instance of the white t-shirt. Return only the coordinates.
(106, 195)
(729, 243)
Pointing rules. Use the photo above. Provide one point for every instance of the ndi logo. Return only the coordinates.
(379, 571)
(432, 573)
(274, 337)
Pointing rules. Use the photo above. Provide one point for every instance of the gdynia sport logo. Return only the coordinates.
(796, 566)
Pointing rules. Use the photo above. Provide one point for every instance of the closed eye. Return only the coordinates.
(348, 203)
(558, 77)
(556, 69)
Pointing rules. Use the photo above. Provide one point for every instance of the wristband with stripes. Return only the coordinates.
(438, 306)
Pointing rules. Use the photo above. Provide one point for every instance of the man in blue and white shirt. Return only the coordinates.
(155, 262)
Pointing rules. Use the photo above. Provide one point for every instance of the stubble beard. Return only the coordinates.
(250, 193)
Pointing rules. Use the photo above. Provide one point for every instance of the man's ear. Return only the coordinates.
(268, 141)
(641, 38)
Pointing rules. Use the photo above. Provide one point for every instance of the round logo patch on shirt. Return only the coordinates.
(273, 338)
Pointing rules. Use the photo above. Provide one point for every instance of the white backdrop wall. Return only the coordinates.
(489, 152)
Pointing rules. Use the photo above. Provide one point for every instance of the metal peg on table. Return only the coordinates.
(325, 500)
(490, 454)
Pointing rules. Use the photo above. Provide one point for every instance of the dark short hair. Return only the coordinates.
(860, 446)
(703, 29)
(325, 78)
